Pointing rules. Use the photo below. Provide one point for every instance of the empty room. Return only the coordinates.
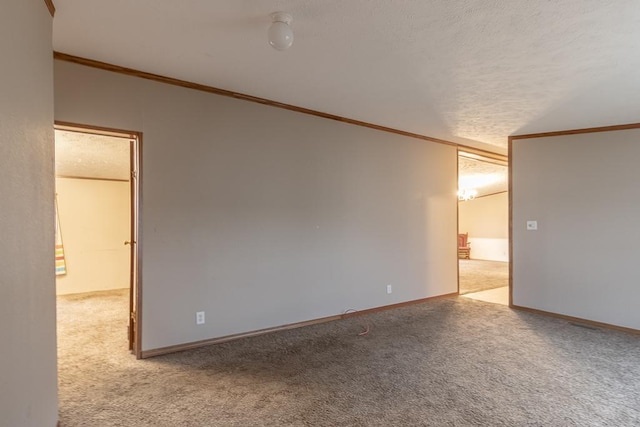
(291, 196)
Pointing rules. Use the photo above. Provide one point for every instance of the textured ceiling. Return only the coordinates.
(470, 71)
(483, 176)
(91, 156)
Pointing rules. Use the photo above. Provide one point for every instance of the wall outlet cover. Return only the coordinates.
(200, 318)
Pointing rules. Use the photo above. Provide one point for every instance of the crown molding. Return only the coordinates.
(51, 7)
(576, 131)
(223, 92)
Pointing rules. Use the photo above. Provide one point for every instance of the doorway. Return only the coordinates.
(483, 226)
(97, 226)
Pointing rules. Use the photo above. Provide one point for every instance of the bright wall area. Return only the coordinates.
(582, 261)
(95, 221)
(486, 219)
(261, 216)
(28, 383)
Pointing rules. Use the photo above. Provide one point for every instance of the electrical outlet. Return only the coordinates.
(532, 225)
(389, 289)
(200, 318)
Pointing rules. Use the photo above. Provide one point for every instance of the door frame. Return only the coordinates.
(489, 157)
(135, 285)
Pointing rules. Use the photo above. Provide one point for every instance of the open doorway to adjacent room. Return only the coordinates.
(483, 226)
(97, 283)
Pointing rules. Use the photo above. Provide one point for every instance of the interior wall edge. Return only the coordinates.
(51, 7)
(28, 305)
(510, 215)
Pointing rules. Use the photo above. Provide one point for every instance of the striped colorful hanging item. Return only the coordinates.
(61, 265)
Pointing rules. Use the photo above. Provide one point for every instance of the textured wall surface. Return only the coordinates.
(28, 384)
(263, 217)
(582, 260)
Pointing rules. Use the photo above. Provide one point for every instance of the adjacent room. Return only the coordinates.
(93, 241)
(275, 244)
(483, 227)
(93, 212)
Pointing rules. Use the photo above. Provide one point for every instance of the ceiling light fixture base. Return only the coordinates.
(280, 32)
(281, 17)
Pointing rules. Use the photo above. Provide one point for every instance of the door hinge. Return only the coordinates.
(131, 328)
(134, 175)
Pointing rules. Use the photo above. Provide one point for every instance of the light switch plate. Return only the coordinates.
(532, 225)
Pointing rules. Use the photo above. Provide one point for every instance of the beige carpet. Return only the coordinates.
(495, 296)
(450, 362)
(479, 275)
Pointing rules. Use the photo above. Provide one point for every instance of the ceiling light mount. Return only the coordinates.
(467, 194)
(280, 32)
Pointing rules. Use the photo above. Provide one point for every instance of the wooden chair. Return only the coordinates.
(464, 248)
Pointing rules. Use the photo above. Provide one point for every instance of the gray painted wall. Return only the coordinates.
(262, 217)
(582, 260)
(28, 384)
